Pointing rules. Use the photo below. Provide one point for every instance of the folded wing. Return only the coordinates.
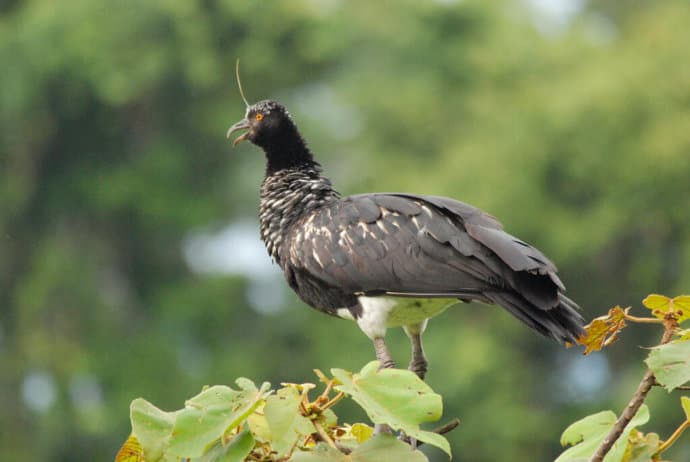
(408, 245)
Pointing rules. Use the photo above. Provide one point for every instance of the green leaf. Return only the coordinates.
(671, 363)
(329, 418)
(152, 428)
(258, 425)
(321, 453)
(587, 434)
(386, 448)
(285, 422)
(685, 403)
(642, 447)
(236, 451)
(211, 413)
(381, 448)
(395, 397)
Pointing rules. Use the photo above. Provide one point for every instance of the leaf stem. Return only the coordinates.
(333, 401)
(648, 380)
(322, 433)
(445, 428)
(680, 387)
(672, 439)
(327, 391)
(632, 318)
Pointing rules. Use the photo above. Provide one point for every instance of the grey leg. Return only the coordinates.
(418, 363)
(382, 354)
(385, 362)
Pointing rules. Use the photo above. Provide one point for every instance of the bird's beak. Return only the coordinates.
(241, 125)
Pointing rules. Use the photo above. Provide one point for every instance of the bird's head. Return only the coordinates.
(265, 122)
(269, 126)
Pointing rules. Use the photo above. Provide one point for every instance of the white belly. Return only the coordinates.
(378, 313)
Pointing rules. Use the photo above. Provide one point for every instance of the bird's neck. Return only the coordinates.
(286, 150)
(287, 195)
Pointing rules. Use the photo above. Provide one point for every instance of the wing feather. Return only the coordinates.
(407, 245)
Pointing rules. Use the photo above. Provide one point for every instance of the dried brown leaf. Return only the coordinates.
(603, 331)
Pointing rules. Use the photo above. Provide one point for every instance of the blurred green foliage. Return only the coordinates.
(112, 153)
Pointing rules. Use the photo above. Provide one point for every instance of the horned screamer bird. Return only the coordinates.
(392, 259)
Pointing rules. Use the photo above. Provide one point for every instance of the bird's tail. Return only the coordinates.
(562, 322)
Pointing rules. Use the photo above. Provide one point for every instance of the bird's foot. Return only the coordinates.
(390, 364)
(419, 367)
(382, 354)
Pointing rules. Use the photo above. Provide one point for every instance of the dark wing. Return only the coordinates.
(407, 245)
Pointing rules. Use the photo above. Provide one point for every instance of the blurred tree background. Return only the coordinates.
(129, 256)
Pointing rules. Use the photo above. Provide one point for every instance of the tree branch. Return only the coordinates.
(670, 324)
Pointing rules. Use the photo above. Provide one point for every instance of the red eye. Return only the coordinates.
(259, 116)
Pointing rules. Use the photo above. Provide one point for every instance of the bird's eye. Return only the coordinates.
(259, 116)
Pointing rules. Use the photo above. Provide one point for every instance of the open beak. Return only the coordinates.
(241, 125)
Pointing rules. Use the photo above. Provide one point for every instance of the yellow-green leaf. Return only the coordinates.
(661, 305)
(682, 306)
(657, 302)
(361, 432)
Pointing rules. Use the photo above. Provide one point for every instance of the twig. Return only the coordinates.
(327, 391)
(443, 429)
(670, 324)
(672, 439)
(333, 401)
(680, 387)
(632, 318)
(448, 427)
(342, 448)
(324, 436)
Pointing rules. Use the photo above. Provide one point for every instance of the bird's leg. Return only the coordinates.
(385, 362)
(418, 363)
(382, 354)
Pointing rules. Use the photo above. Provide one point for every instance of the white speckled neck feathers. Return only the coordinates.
(288, 195)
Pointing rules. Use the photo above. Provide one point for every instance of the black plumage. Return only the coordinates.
(392, 258)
